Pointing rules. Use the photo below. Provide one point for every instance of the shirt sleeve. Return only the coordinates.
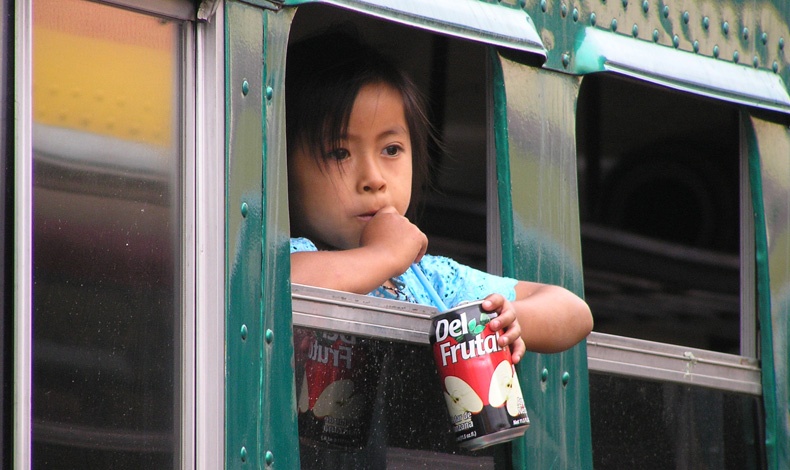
(456, 283)
(302, 244)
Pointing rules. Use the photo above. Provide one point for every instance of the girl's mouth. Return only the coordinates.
(367, 215)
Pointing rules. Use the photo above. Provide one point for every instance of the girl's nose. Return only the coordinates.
(371, 178)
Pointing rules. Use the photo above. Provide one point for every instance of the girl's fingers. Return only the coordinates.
(511, 334)
(517, 350)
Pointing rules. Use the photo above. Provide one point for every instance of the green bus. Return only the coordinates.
(635, 152)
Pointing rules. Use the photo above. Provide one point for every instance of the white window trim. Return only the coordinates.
(209, 442)
(23, 233)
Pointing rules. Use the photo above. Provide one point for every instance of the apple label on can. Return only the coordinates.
(480, 384)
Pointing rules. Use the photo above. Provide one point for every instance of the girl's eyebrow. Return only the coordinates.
(393, 131)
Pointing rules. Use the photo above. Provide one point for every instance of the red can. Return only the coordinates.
(335, 394)
(480, 385)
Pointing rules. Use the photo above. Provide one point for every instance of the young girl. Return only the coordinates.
(357, 154)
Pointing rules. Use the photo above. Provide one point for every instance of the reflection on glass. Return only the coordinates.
(645, 424)
(373, 404)
(106, 237)
(659, 199)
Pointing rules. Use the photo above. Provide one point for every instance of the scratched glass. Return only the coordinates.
(107, 231)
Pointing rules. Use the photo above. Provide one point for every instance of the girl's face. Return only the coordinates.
(332, 201)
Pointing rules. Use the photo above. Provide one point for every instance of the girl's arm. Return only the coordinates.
(388, 245)
(359, 270)
(549, 318)
(552, 318)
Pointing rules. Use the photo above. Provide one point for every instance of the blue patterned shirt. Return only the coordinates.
(453, 282)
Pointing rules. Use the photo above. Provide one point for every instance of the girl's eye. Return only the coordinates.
(338, 154)
(392, 150)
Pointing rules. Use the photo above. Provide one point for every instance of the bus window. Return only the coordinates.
(659, 185)
(108, 251)
(408, 429)
(646, 423)
(662, 190)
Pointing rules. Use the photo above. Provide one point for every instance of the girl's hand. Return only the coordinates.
(399, 241)
(506, 322)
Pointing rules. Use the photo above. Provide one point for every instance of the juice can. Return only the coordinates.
(479, 381)
(335, 394)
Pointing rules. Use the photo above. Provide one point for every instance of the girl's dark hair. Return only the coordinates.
(324, 74)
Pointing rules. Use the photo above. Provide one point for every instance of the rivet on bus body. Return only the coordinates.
(775, 66)
(686, 17)
(706, 22)
(645, 6)
(244, 332)
(269, 92)
(755, 62)
(764, 38)
(245, 87)
(614, 24)
(635, 31)
(269, 336)
(781, 44)
(244, 209)
(716, 51)
(655, 35)
(543, 6)
(696, 46)
(745, 33)
(736, 57)
(564, 10)
(522, 4)
(676, 41)
(725, 27)
(269, 457)
(243, 454)
(593, 19)
(575, 15)
(566, 377)
(544, 375)
(666, 11)
(625, 3)
(566, 60)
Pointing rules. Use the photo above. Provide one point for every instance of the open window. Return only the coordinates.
(451, 73)
(668, 250)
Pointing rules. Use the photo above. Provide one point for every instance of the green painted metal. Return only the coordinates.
(260, 404)
(536, 157)
(244, 147)
(769, 173)
(756, 30)
(279, 430)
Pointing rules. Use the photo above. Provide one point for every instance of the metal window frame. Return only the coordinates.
(23, 233)
(209, 440)
(620, 355)
(392, 320)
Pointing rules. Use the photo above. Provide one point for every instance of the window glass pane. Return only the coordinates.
(659, 199)
(380, 405)
(107, 231)
(646, 424)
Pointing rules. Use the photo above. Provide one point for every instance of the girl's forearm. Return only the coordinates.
(354, 270)
(552, 318)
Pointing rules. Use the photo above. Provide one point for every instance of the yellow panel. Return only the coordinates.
(115, 81)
